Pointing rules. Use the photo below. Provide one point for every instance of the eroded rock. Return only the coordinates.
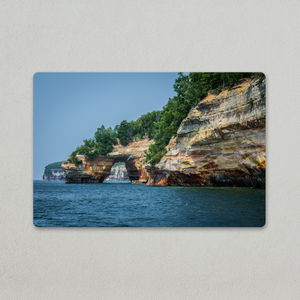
(96, 170)
(220, 143)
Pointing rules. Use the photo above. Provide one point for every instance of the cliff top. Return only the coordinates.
(136, 148)
(239, 86)
(243, 102)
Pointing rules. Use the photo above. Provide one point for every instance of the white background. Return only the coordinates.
(137, 263)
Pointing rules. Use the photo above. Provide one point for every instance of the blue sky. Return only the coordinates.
(69, 107)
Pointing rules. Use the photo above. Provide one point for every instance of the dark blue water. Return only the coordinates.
(57, 204)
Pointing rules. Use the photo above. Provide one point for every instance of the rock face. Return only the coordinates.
(90, 171)
(220, 143)
(56, 175)
(96, 170)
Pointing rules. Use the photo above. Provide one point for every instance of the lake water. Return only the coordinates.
(110, 204)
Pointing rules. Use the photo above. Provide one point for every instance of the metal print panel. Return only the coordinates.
(149, 149)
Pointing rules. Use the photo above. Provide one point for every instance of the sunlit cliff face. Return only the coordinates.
(220, 143)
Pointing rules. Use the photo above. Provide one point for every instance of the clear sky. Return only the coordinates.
(69, 107)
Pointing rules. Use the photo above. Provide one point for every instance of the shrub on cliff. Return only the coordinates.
(144, 126)
(100, 144)
(154, 154)
(73, 159)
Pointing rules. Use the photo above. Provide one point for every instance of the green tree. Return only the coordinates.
(122, 132)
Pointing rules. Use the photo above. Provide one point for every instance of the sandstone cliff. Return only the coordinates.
(96, 170)
(220, 143)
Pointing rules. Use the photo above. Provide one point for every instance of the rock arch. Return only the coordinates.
(97, 169)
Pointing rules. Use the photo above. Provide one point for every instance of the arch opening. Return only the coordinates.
(118, 173)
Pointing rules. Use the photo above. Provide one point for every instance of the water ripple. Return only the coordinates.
(57, 204)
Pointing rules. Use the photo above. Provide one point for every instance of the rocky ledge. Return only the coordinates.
(220, 143)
